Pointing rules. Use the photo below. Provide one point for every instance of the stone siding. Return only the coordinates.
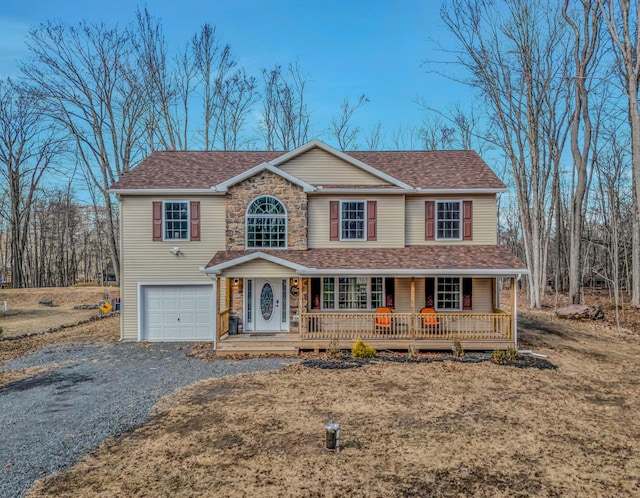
(266, 183)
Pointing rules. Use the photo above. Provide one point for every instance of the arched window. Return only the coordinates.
(266, 223)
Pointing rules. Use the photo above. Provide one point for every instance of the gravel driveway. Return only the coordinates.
(51, 420)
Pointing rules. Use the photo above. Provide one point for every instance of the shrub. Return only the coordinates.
(457, 349)
(499, 356)
(1, 331)
(504, 356)
(333, 350)
(413, 350)
(361, 350)
(511, 354)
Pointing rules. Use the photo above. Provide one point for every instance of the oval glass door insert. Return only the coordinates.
(266, 301)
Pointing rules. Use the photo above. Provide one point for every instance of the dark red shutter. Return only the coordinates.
(429, 220)
(430, 292)
(372, 207)
(334, 224)
(467, 219)
(467, 286)
(195, 220)
(157, 221)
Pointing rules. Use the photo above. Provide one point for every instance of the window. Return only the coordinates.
(176, 220)
(377, 293)
(285, 292)
(266, 223)
(448, 293)
(249, 301)
(353, 293)
(448, 220)
(352, 220)
(328, 293)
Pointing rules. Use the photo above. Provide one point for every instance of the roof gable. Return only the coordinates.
(224, 186)
(304, 161)
(321, 168)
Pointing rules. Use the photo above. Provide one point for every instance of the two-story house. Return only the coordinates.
(303, 247)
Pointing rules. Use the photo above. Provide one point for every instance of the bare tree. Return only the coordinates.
(160, 88)
(88, 75)
(406, 137)
(213, 62)
(621, 18)
(28, 145)
(341, 127)
(516, 59)
(238, 94)
(585, 45)
(437, 135)
(285, 114)
(375, 137)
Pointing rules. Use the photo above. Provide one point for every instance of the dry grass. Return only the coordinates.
(106, 330)
(437, 429)
(26, 315)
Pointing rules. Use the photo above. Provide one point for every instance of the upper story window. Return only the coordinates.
(353, 217)
(266, 223)
(175, 220)
(448, 215)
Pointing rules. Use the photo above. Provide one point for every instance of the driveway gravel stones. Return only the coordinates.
(51, 420)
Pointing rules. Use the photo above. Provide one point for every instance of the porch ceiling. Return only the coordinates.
(414, 260)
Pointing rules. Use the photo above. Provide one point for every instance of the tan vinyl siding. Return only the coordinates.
(146, 261)
(403, 295)
(258, 268)
(389, 223)
(481, 300)
(484, 220)
(318, 167)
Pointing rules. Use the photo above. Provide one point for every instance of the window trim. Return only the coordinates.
(460, 220)
(164, 221)
(437, 292)
(284, 216)
(336, 294)
(364, 220)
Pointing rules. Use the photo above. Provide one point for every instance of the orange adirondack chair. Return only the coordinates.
(383, 322)
(431, 319)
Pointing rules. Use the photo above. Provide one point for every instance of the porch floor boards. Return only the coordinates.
(289, 344)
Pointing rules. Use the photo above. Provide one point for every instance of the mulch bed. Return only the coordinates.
(346, 362)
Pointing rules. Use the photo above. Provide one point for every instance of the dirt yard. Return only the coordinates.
(25, 314)
(430, 429)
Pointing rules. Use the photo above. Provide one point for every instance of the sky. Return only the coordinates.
(346, 48)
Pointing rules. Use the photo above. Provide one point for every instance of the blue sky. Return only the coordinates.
(345, 47)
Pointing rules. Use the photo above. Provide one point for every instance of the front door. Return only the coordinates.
(270, 296)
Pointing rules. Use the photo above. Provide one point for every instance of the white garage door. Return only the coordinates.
(177, 313)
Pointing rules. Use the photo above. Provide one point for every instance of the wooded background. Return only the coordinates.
(553, 108)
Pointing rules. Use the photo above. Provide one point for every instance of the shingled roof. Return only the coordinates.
(416, 259)
(450, 169)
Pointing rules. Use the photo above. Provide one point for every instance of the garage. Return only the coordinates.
(177, 313)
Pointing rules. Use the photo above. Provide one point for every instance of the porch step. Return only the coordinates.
(226, 349)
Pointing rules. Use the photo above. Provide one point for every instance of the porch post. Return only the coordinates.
(227, 296)
(218, 306)
(413, 305)
(300, 310)
(494, 297)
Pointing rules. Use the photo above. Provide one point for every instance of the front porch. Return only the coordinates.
(316, 329)
(320, 331)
